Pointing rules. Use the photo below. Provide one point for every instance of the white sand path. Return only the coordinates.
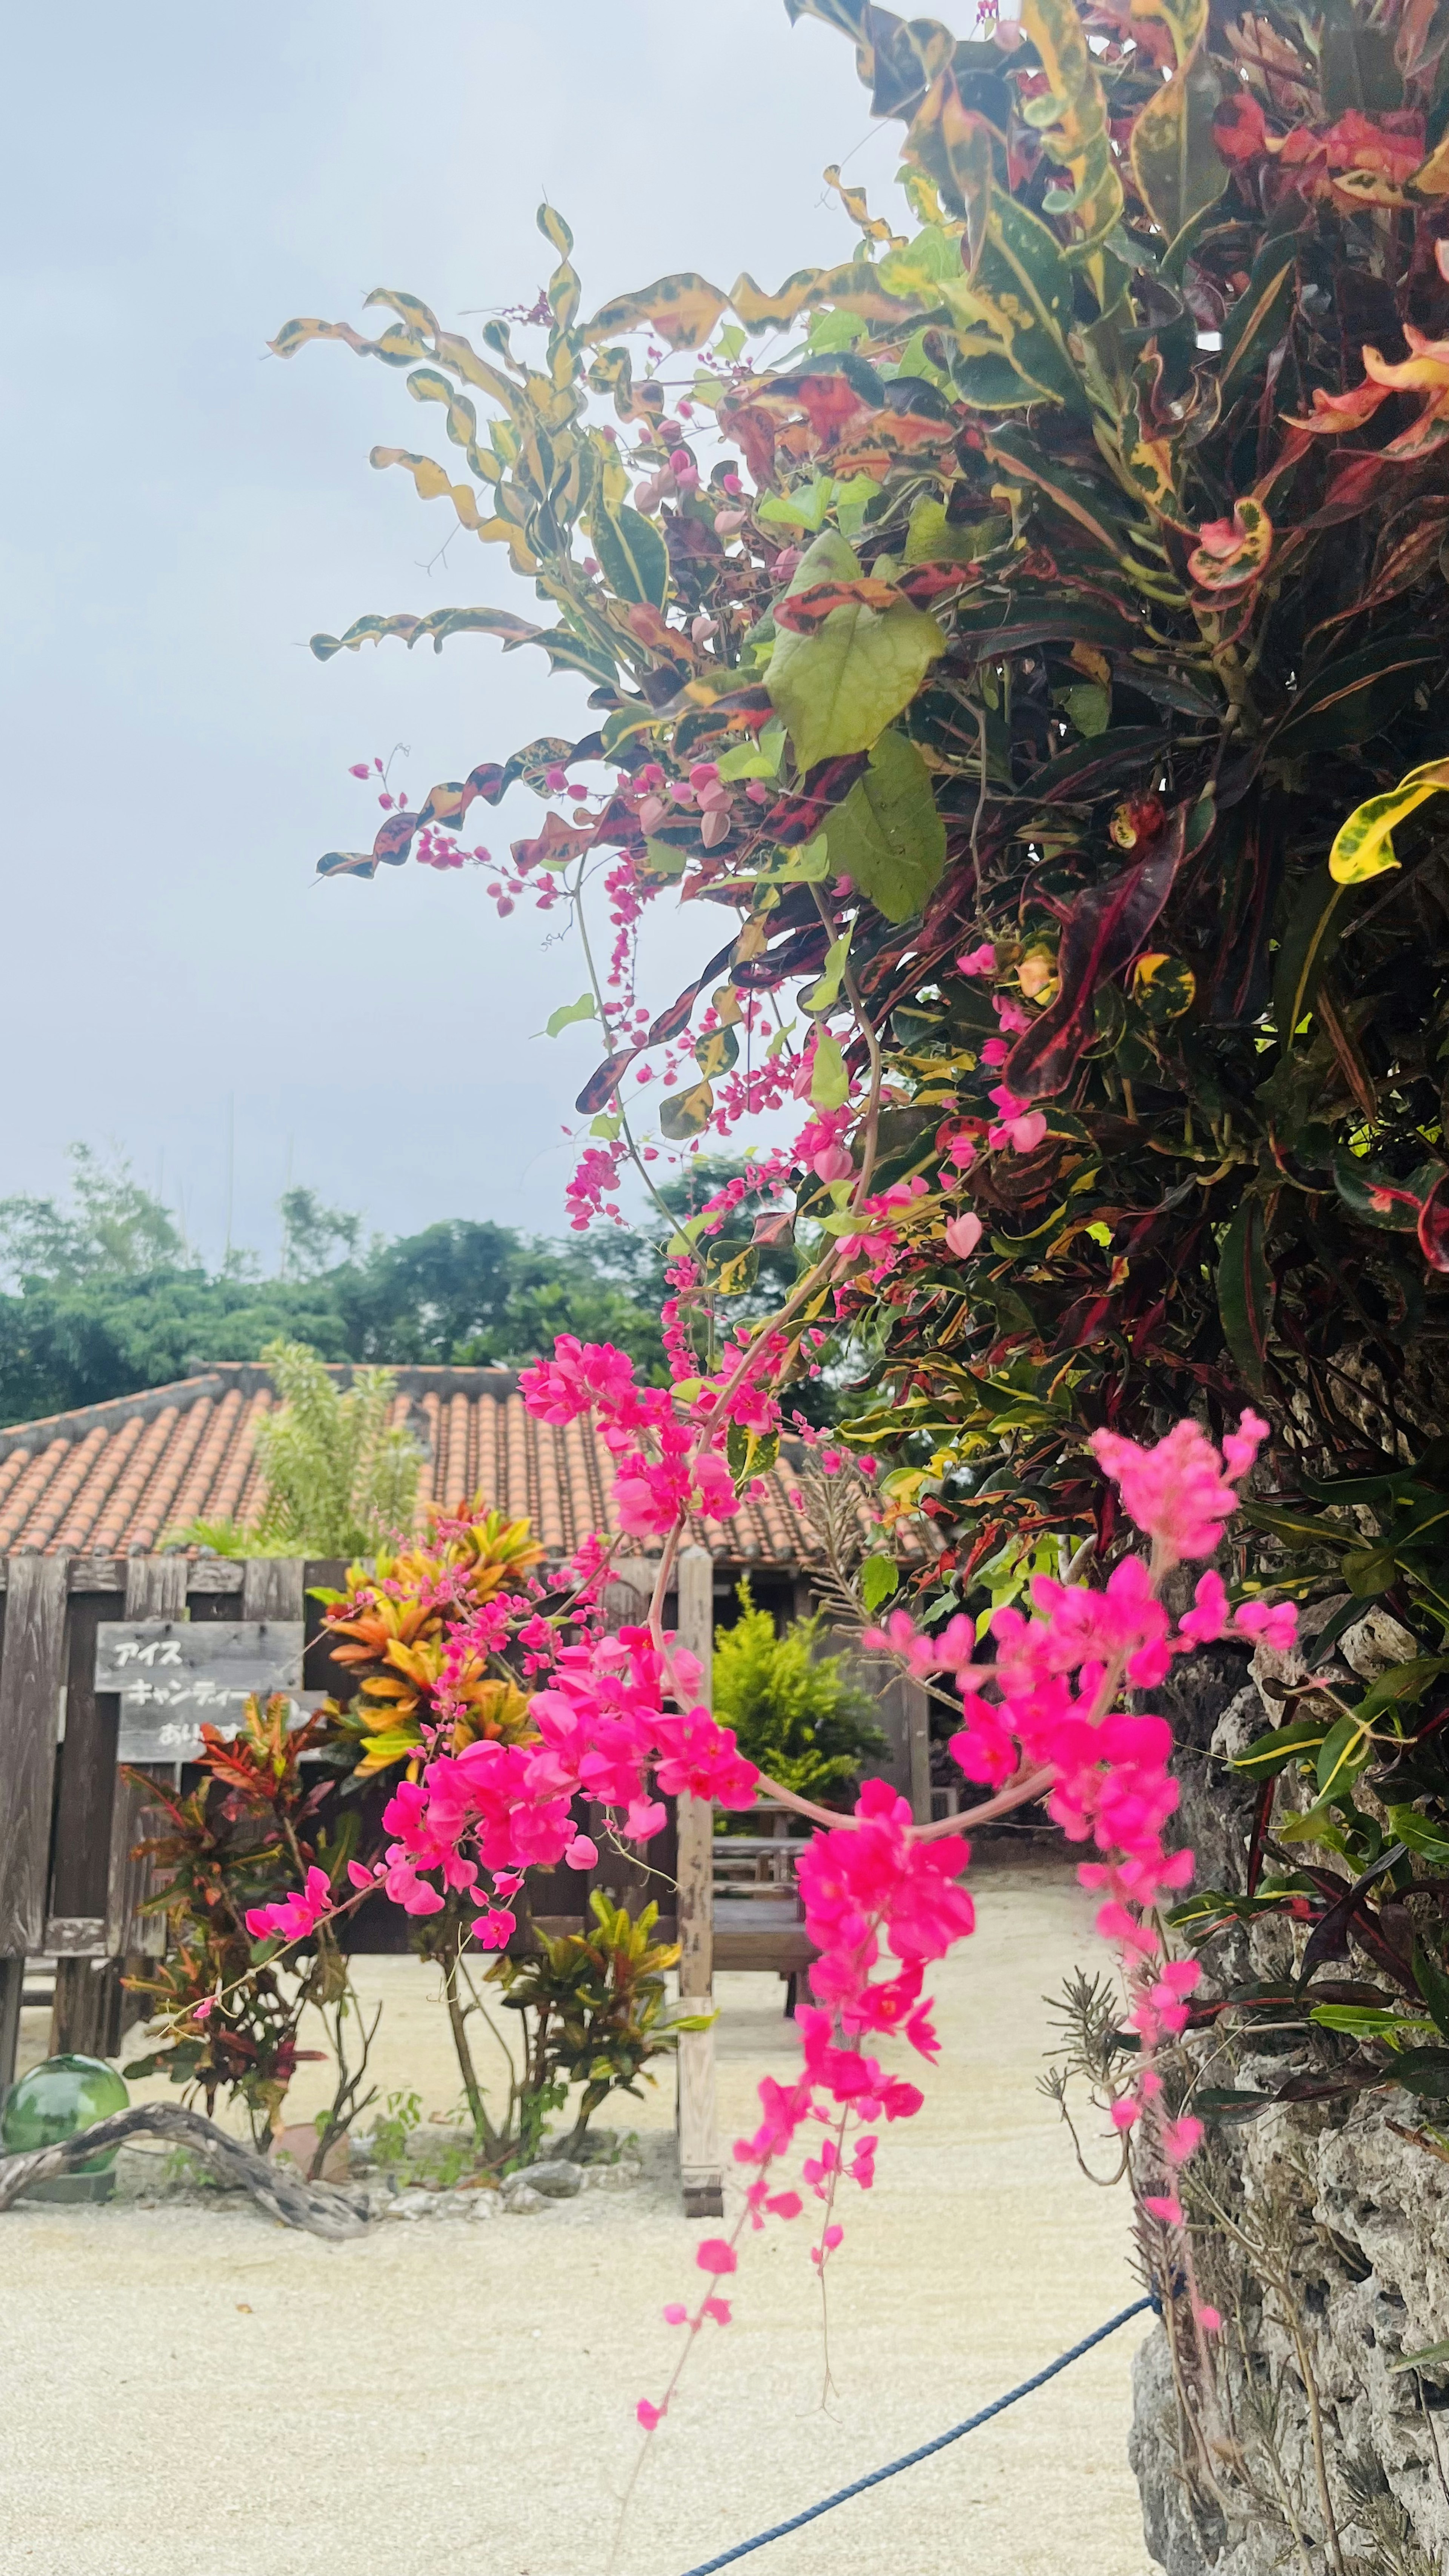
(189, 2391)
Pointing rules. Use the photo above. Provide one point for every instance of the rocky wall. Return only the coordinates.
(1335, 2265)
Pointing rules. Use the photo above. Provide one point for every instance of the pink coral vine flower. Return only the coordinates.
(296, 1916)
(1019, 1127)
(1180, 1491)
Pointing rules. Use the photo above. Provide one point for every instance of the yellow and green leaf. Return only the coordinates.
(1072, 120)
(1363, 846)
(1175, 161)
(682, 310)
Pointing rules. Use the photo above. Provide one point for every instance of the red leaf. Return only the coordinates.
(557, 840)
(1434, 1226)
(600, 1088)
(1104, 932)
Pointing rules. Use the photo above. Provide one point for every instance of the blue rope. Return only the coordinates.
(892, 2469)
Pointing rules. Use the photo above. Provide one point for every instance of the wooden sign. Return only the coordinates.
(174, 1675)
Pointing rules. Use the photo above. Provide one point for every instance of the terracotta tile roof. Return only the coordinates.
(111, 1479)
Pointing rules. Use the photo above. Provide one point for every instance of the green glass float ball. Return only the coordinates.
(57, 2098)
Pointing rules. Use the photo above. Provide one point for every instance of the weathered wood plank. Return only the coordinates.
(273, 1588)
(155, 1589)
(86, 1783)
(32, 1673)
(700, 2171)
(787, 1947)
(75, 1936)
(87, 2015)
(108, 1573)
(12, 1986)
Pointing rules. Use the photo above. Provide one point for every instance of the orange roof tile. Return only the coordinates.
(112, 1479)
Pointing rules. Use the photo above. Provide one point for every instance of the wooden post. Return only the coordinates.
(32, 1674)
(699, 2159)
(85, 2013)
(12, 1987)
(918, 1746)
(155, 1589)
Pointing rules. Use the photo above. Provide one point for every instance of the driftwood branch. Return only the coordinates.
(318, 2207)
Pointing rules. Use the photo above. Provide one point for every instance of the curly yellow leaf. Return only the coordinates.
(1072, 120)
(1364, 847)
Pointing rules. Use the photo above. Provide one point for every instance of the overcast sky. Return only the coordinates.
(182, 511)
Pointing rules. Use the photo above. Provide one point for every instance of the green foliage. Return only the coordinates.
(338, 1478)
(597, 2006)
(113, 1228)
(108, 1300)
(592, 2011)
(792, 1708)
(243, 1837)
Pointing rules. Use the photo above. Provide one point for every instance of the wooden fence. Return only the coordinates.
(69, 1820)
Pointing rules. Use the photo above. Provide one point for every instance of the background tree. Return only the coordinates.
(106, 1298)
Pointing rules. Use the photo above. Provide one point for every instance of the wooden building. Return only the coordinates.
(87, 1500)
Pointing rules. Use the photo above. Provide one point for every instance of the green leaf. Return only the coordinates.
(1433, 1985)
(1072, 119)
(808, 863)
(1363, 846)
(632, 554)
(888, 835)
(662, 859)
(755, 758)
(931, 537)
(1225, 2102)
(1282, 1745)
(568, 1012)
(1362, 2021)
(1408, 1826)
(1344, 1752)
(839, 688)
(686, 1113)
(1090, 709)
(1013, 313)
(805, 507)
(829, 1081)
(1355, 695)
(823, 995)
(716, 1051)
(1378, 1197)
(879, 1578)
(1245, 1292)
(682, 310)
(1315, 926)
(1424, 2071)
(734, 1276)
(1431, 2352)
(1261, 314)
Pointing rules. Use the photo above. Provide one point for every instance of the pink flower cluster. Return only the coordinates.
(603, 1733)
(1181, 1492)
(664, 1467)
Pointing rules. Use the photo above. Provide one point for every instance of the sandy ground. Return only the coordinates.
(185, 2391)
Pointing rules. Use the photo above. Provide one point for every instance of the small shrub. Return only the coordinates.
(793, 1711)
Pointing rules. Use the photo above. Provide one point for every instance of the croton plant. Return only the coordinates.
(1023, 643)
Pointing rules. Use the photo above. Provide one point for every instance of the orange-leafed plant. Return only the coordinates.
(393, 1626)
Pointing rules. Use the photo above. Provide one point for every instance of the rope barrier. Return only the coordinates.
(893, 2468)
